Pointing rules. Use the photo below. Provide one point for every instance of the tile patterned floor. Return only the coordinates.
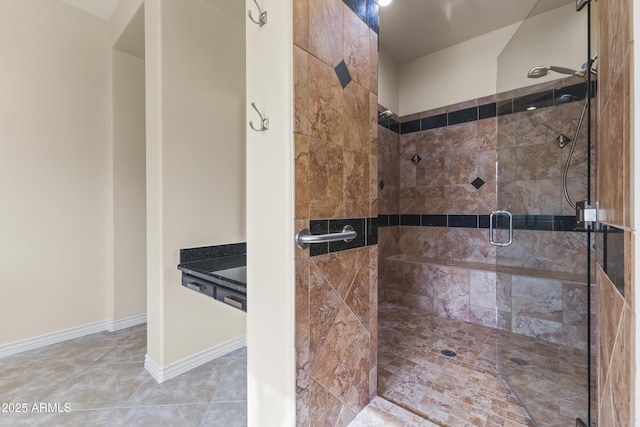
(550, 379)
(465, 390)
(468, 390)
(102, 378)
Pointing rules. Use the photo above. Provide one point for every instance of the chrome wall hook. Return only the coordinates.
(264, 121)
(262, 15)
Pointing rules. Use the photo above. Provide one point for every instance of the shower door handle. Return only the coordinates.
(498, 213)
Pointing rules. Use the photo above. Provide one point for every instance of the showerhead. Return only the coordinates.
(543, 70)
(385, 114)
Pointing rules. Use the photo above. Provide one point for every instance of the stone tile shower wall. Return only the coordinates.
(434, 251)
(335, 73)
(616, 310)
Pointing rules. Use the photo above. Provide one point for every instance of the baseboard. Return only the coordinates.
(127, 322)
(52, 338)
(69, 334)
(191, 362)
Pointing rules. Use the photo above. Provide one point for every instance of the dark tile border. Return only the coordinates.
(366, 229)
(547, 98)
(611, 255)
(208, 252)
(367, 10)
(434, 220)
(465, 221)
(520, 222)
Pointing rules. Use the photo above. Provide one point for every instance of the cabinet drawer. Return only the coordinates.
(199, 285)
(232, 298)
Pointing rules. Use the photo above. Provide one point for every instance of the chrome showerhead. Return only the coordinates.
(543, 70)
(385, 114)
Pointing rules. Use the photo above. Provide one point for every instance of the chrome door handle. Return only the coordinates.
(497, 213)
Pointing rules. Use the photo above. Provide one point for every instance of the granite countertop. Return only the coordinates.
(230, 270)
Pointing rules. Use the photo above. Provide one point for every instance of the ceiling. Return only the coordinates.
(410, 29)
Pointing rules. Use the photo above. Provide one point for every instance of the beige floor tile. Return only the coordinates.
(102, 386)
(160, 416)
(102, 378)
(226, 414)
(195, 386)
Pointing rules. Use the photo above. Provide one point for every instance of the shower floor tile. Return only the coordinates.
(465, 390)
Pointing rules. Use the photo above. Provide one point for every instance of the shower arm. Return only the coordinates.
(573, 146)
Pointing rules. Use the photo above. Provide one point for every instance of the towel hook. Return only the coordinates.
(264, 121)
(262, 15)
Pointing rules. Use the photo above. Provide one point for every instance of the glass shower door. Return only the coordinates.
(541, 258)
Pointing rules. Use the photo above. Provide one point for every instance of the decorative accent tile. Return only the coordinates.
(487, 110)
(372, 15)
(434, 220)
(410, 219)
(467, 221)
(462, 116)
(381, 185)
(372, 231)
(343, 74)
(416, 159)
(410, 127)
(433, 122)
(477, 183)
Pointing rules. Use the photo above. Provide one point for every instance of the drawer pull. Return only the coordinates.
(195, 286)
(233, 302)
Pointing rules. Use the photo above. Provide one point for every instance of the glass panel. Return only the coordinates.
(542, 280)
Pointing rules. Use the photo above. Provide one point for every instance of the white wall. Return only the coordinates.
(388, 82)
(53, 168)
(270, 227)
(469, 70)
(128, 286)
(127, 245)
(195, 167)
(465, 71)
(557, 37)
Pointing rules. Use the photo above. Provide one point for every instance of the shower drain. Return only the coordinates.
(448, 353)
(518, 361)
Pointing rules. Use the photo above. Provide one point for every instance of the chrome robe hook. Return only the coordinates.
(264, 121)
(262, 19)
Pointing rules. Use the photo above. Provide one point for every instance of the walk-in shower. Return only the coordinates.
(516, 313)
